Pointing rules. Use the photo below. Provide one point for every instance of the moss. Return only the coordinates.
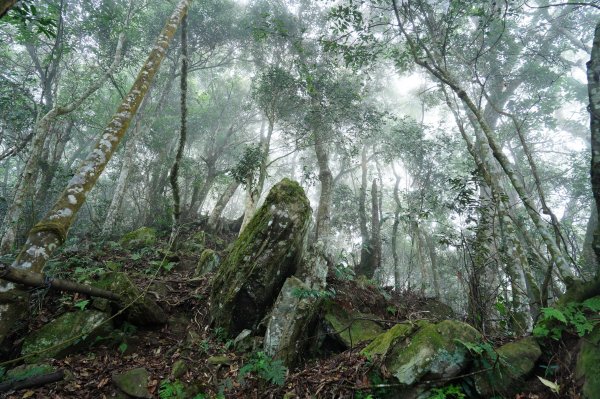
(62, 335)
(578, 291)
(143, 310)
(209, 260)
(588, 360)
(142, 237)
(264, 255)
(26, 371)
(382, 343)
(433, 351)
(351, 328)
(517, 360)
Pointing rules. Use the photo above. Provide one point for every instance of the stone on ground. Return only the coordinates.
(133, 382)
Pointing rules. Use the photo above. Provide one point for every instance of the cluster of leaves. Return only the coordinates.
(245, 170)
(27, 18)
(447, 392)
(272, 371)
(574, 317)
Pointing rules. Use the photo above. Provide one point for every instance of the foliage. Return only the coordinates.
(575, 318)
(272, 371)
(246, 168)
(29, 20)
(81, 304)
(447, 392)
(483, 352)
(171, 390)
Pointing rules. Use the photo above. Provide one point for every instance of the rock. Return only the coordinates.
(350, 328)
(133, 382)
(588, 359)
(68, 327)
(266, 253)
(178, 369)
(208, 262)
(381, 344)
(516, 361)
(140, 238)
(288, 328)
(144, 311)
(26, 371)
(244, 341)
(218, 360)
(425, 349)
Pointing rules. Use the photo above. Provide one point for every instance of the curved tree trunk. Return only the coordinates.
(215, 215)
(51, 232)
(182, 136)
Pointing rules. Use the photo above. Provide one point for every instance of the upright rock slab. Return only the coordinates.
(266, 253)
(289, 323)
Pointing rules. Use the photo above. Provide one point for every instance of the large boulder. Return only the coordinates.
(266, 253)
(516, 361)
(141, 310)
(348, 327)
(66, 334)
(424, 350)
(290, 322)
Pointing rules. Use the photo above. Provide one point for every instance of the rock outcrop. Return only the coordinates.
(267, 252)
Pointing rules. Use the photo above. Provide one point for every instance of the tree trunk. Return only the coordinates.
(395, 226)
(222, 202)
(593, 77)
(5, 5)
(365, 248)
(182, 136)
(43, 127)
(51, 232)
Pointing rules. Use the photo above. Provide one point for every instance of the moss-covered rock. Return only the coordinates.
(208, 262)
(66, 334)
(289, 325)
(383, 342)
(516, 361)
(26, 371)
(142, 237)
(348, 327)
(264, 255)
(432, 351)
(144, 311)
(133, 382)
(588, 359)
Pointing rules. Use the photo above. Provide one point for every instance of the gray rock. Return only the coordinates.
(133, 382)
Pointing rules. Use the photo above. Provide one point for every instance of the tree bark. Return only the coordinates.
(43, 127)
(5, 5)
(182, 136)
(215, 215)
(51, 232)
(593, 77)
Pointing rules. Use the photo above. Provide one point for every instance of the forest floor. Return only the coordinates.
(213, 367)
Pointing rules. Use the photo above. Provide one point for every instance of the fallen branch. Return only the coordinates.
(32, 382)
(32, 279)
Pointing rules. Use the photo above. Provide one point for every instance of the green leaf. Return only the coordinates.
(552, 313)
(592, 304)
(82, 304)
(554, 387)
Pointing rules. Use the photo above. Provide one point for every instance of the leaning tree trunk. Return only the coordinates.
(51, 232)
(215, 215)
(11, 219)
(182, 136)
(593, 76)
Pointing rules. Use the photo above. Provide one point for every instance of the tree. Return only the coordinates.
(51, 232)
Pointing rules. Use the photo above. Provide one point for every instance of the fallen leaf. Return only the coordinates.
(554, 387)
(28, 394)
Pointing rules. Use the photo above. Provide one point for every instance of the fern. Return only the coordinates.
(272, 371)
(171, 390)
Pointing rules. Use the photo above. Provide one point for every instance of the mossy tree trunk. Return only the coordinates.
(51, 232)
(593, 76)
(215, 215)
(182, 135)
